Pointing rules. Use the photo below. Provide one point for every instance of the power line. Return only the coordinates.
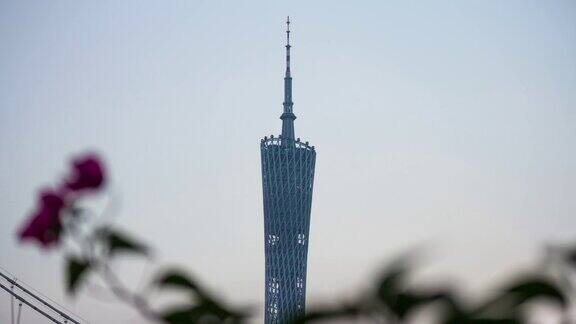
(29, 287)
(59, 312)
(29, 304)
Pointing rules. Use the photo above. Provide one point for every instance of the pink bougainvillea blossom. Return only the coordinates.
(88, 173)
(44, 225)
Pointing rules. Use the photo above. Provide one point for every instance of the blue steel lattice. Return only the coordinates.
(287, 179)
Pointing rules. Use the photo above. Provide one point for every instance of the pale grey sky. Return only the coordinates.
(437, 123)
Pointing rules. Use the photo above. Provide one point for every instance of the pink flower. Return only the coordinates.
(44, 224)
(88, 173)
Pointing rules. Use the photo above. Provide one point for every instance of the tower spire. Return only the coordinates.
(288, 46)
(287, 116)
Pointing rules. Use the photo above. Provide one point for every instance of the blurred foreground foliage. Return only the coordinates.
(393, 298)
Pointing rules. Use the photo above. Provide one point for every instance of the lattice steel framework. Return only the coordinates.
(287, 180)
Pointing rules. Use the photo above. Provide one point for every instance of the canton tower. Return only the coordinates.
(287, 182)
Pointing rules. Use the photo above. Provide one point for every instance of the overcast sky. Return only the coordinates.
(442, 124)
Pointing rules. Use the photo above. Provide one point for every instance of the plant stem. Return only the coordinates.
(122, 293)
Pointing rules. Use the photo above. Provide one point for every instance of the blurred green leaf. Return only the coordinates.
(390, 282)
(571, 257)
(76, 270)
(348, 311)
(207, 307)
(464, 320)
(181, 316)
(406, 302)
(176, 278)
(115, 241)
(529, 289)
(207, 312)
(400, 300)
(506, 304)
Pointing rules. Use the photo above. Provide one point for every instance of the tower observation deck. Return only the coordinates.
(287, 182)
